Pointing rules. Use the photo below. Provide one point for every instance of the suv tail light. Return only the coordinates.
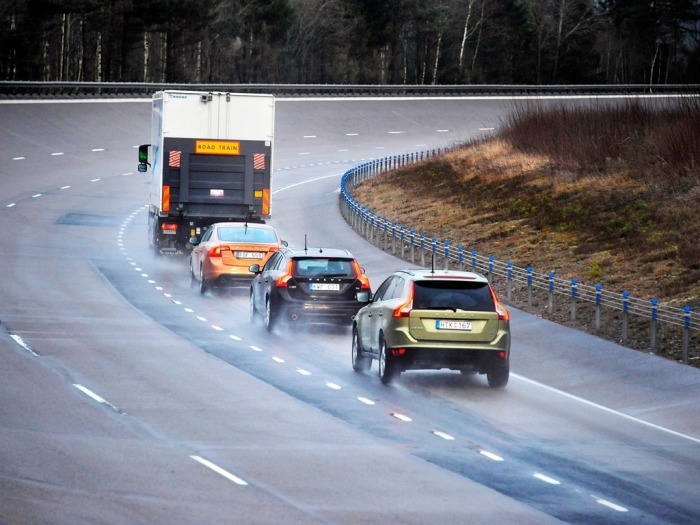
(405, 309)
(362, 277)
(502, 311)
(216, 251)
(282, 281)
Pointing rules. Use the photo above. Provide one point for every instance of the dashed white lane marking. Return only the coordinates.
(485, 129)
(11, 205)
(255, 348)
(606, 409)
(219, 470)
(342, 150)
(235, 338)
(490, 455)
(138, 269)
(37, 195)
(303, 372)
(131, 263)
(546, 479)
(127, 174)
(98, 149)
(151, 281)
(365, 401)
(609, 504)
(396, 132)
(443, 435)
(64, 187)
(177, 302)
(169, 296)
(305, 153)
(24, 345)
(306, 182)
(333, 385)
(309, 136)
(203, 319)
(442, 130)
(188, 310)
(218, 328)
(57, 153)
(160, 288)
(351, 134)
(401, 417)
(144, 275)
(380, 147)
(17, 158)
(94, 180)
(95, 396)
(421, 145)
(277, 359)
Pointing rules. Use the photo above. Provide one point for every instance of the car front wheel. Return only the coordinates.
(202, 281)
(252, 308)
(388, 371)
(360, 363)
(270, 315)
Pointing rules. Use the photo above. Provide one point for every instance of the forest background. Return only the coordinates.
(352, 41)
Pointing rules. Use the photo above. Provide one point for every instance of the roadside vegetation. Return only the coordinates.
(608, 194)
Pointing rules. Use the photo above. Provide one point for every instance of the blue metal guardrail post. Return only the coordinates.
(574, 288)
(412, 237)
(371, 227)
(403, 233)
(625, 316)
(654, 307)
(433, 249)
(460, 252)
(550, 302)
(686, 334)
(473, 260)
(393, 238)
(509, 284)
(490, 275)
(386, 232)
(598, 291)
(529, 287)
(447, 255)
(379, 228)
(422, 250)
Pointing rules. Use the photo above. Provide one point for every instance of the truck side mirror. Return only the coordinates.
(143, 168)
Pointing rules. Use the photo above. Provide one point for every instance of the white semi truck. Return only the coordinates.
(210, 161)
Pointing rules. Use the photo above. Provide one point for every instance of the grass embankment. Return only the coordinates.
(604, 194)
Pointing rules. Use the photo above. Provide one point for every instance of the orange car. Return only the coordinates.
(227, 250)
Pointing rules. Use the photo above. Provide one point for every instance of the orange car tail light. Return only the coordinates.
(282, 281)
(216, 251)
(362, 277)
(502, 311)
(405, 309)
(273, 249)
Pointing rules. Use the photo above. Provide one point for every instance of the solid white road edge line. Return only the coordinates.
(95, 396)
(546, 479)
(606, 409)
(219, 470)
(24, 345)
(306, 182)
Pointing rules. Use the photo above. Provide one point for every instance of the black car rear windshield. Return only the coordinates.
(322, 267)
(244, 234)
(458, 295)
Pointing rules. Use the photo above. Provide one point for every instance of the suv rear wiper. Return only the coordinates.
(335, 275)
(441, 308)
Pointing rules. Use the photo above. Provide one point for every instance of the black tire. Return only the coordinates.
(152, 231)
(360, 362)
(388, 371)
(252, 308)
(498, 376)
(270, 316)
(202, 281)
(193, 279)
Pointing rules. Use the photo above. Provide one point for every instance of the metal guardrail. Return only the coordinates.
(23, 89)
(412, 245)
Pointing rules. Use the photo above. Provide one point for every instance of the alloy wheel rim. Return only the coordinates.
(382, 359)
(267, 313)
(354, 348)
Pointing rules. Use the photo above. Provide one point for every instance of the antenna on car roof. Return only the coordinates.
(432, 264)
(305, 249)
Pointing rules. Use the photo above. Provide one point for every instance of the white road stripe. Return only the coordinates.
(609, 504)
(306, 182)
(57, 154)
(309, 136)
(235, 338)
(94, 180)
(485, 129)
(303, 372)
(144, 275)
(332, 385)
(351, 134)
(95, 397)
(138, 269)
(217, 328)
(37, 195)
(443, 435)
(159, 288)
(305, 153)
(546, 479)
(151, 281)
(277, 359)
(396, 132)
(203, 319)
(65, 187)
(365, 401)
(169, 296)
(442, 130)
(17, 158)
(255, 348)
(401, 417)
(490, 455)
(342, 150)
(11, 205)
(219, 470)
(98, 149)
(125, 174)
(24, 345)
(606, 409)
(189, 310)
(177, 302)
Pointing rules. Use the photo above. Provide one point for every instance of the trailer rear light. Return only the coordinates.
(360, 276)
(169, 227)
(405, 309)
(398, 351)
(166, 198)
(216, 251)
(502, 311)
(282, 281)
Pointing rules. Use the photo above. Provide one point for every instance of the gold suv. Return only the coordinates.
(423, 319)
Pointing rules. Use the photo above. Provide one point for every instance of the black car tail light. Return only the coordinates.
(282, 281)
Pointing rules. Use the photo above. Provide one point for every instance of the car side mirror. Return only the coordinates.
(254, 268)
(285, 243)
(194, 241)
(364, 297)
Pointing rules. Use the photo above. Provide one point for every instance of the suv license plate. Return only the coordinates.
(249, 255)
(453, 325)
(325, 287)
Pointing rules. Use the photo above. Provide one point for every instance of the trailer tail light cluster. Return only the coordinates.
(169, 227)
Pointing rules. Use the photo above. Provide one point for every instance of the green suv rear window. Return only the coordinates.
(459, 295)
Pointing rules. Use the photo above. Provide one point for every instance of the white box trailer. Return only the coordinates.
(210, 161)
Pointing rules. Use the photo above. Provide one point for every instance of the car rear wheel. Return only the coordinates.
(252, 308)
(270, 315)
(202, 281)
(498, 376)
(360, 363)
(388, 371)
(193, 279)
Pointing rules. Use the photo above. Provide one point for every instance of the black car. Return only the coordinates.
(314, 284)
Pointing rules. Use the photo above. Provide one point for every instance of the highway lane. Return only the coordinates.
(318, 449)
